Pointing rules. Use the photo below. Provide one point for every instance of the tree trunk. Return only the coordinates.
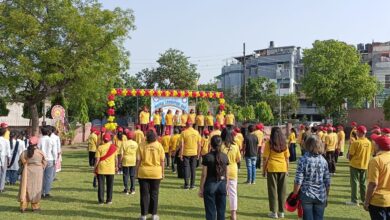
(83, 132)
(34, 119)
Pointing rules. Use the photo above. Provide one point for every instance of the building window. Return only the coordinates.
(387, 81)
(284, 85)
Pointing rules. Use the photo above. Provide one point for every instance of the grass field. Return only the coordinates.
(74, 197)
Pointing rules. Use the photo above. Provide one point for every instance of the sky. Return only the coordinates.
(211, 32)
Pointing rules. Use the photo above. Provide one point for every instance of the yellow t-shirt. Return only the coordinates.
(191, 139)
(300, 135)
(151, 157)
(323, 139)
(169, 119)
(341, 140)
(205, 146)
(177, 120)
(351, 138)
(229, 119)
(209, 120)
(199, 120)
(144, 117)
(260, 135)
(165, 142)
(360, 151)
(139, 136)
(291, 138)
(184, 118)
(320, 134)
(234, 156)
(6, 134)
(215, 132)
(192, 117)
(276, 161)
(107, 166)
(331, 142)
(157, 119)
(239, 139)
(379, 173)
(174, 142)
(220, 119)
(119, 143)
(129, 153)
(92, 142)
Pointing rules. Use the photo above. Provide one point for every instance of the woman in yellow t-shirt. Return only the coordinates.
(173, 148)
(205, 143)
(231, 149)
(184, 118)
(157, 122)
(200, 122)
(165, 141)
(292, 140)
(209, 121)
(150, 171)
(220, 118)
(192, 117)
(169, 121)
(177, 119)
(128, 159)
(275, 167)
(144, 117)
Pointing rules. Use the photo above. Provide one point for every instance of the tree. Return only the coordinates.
(210, 86)
(264, 113)
(3, 108)
(386, 109)
(202, 106)
(290, 105)
(261, 89)
(83, 116)
(70, 46)
(174, 72)
(336, 75)
(248, 113)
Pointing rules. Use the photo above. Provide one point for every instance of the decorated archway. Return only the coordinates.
(112, 125)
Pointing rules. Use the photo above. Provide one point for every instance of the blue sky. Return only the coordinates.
(211, 31)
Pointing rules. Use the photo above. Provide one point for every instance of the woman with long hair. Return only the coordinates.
(232, 150)
(213, 180)
(150, 171)
(292, 140)
(32, 162)
(275, 167)
(17, 148)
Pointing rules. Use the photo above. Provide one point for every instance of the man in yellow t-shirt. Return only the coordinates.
(216, 130)
(340, 141)
(169, 121)
(192, 117)
(139, 135)
(205, 143)
(184, 118)
(189, 154)
(177, 119)
(200, 122)
(330, 148)
(105, 167)
(239, 138)
(359, 156)
(165, 141)
(377, 200)
(220, 118)
(229, 119)
(144, 118)
(128, 159)
(157, 122)
(352, 134)
(92, 145)
(209, 121)
(173, 148)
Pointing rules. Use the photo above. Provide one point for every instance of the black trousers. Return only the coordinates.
(129, 172)
(173, 161)
(331, 161)
(214, 198)
(167, 160)
(162, 129)
(189, 170)
(200, 129)
(379, 213)
(109, 179)
(149, 195)
(158, 129)
(91, 157)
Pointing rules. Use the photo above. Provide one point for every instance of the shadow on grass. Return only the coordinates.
(182, 211)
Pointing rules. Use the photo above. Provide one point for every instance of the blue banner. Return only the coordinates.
(172, 103)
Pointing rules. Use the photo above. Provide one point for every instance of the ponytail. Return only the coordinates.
(30, 150)
(220, 167)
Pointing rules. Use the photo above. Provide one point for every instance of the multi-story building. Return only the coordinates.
(281, 65)
(377, 55)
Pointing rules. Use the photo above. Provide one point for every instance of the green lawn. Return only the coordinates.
(74, 197)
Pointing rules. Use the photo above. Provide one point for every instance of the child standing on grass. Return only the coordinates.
(165, 141)
(205, 143)
(139, 135)
(128, 159)
(173, 147)
(92, 145)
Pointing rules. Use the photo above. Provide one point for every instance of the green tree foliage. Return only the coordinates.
(263, 113)
(60, 45)
(210, 86)
(202, 106)
(261, 89)
(335, 74)
(386, 109)
(174, 72)
(3, 108)
(290, 105)
(248, 113)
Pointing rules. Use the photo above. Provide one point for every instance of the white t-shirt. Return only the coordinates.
(5, 151)
(56, 141)
(15, 165)
(47, 145)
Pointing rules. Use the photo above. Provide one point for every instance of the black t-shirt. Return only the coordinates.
(251, 143)
(210, 161)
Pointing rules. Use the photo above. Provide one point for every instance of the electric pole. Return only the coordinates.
(244, 75)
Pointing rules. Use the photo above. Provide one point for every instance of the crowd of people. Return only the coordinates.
(152, 148)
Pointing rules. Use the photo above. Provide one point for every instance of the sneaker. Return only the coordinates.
(349, 203)
(192, 187)
(155, 217)
(125, 191)
(281, 215)
(272, 215)
(186, 187)
(142, 217)
(100, 203)
(132, 192)
(247, 182)
(253, 183)
(108, 203)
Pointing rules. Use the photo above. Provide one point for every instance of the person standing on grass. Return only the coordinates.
(173, 148)
(157, 122)
(353, 133)
(220, 118)
(139, 135)
(189, 154)
(165, 141)
(56, 139)
(205, 144)
(5, 157)
(200, 122)
(209, 119)
(17, 148)
(275, 168)
(33, 163)
(377, 200)
(330, 148)
(260, 136)
(144, 118)
(169, 121)
(292, 144)
(92, 145)
(150, 172)
(49, 148)
(250, 153)
(232, 150)
(106, 166)
(216, 130)
(183, 119)
(214, 181)
(359, 156)
(128, 160)
(312, 180)
(229, 119)
(340, 142)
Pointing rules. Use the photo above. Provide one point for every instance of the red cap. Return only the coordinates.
(130, 135)
(93, 129)
(103, 129)
(223, 126)
(362, 129)
(127, 130)
(260, 126)
(189, 122)
(33, 140)
(237, 130)
(302, 126)
(340, 126)
(206, 132)
(382, 141)
(386, 130)
(376, 131)
(291, 202)
(377, 127)
(97, 132)
(217, 125)
(107, 137)
(4, 125)
(120, 129)
(138, 127)
(353, 124)
(167, 132)
(324, 129)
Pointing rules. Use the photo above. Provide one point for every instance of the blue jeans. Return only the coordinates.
(313, 209)
(48, 176)
(251, 169)
(214, 197)
(12, 175)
